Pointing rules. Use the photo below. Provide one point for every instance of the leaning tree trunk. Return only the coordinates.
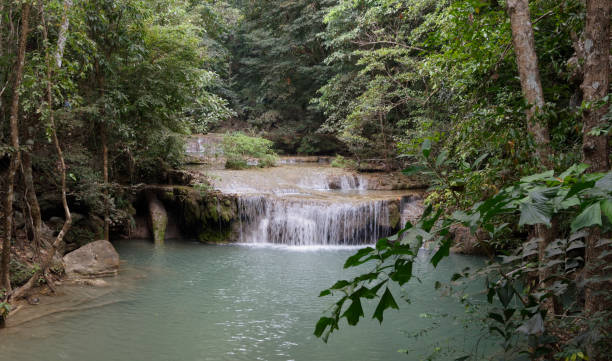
(5, 281)
(527, 62)
(596, 148)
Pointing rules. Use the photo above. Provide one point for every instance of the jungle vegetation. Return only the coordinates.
(502, 104)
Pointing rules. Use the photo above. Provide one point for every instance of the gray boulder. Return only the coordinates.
(96, 259)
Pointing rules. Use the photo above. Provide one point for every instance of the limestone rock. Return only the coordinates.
(158, 219)
(96, 259)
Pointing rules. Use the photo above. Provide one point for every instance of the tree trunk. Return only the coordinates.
(28, 179)
(8, 206)
(47, 261)
(529, 74)
(527, 62)
(384, 138)
(105, 170)
(596, 150)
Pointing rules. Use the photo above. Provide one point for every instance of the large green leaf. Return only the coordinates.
(386, 301)
(538, 177)
(605, 182)
(402, 271)
(323, 323)
(354, 311)
(606, 209)
(535, 213)
(590, 216)
(357, 258)
(442, 252)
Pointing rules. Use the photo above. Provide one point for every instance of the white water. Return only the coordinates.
(307, 222)
(310, 205)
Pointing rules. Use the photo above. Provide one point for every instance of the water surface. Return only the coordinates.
(239, 302)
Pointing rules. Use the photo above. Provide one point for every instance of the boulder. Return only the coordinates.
(96, 259)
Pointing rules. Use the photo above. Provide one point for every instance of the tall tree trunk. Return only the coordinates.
(527, 61)
(384, 138)
(529, 74)
(105, 170)
(47, 261)
(14, 124)
(28, 179)
(596, 148)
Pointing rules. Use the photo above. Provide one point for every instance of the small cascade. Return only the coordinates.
(305, 222)
(311, 205)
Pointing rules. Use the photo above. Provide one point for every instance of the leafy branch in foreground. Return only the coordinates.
(583, 200)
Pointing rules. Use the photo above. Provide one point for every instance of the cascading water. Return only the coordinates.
(308, 205)
(304, 222)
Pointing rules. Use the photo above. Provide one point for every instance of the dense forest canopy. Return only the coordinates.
(478, 95)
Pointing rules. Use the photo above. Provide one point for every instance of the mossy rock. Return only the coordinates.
(211, 235)
(394, 215)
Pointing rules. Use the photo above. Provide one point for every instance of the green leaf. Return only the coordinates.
(589, 217)
(605, 182)
(533, 326)
(322, 324)
(354, 311)
(413, 169)
(505, 294)
(356, 259)
(579, 187)
(402, 272)
(480, 159)
(325, 293)
(386, 301)
(426, 147)
(575, 169)
(606, 209)
(340, 284)
(538, 177)
(535, 213)
(441, 158)
(442, 252)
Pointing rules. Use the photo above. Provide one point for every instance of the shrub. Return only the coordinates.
(342, 162)
(240, 148)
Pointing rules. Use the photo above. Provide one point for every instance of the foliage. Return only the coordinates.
(242, 151)
(276, 68)
(582, 199)
(342, 162)
(20, 272)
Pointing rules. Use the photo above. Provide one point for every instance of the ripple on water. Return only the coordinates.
(234, 303)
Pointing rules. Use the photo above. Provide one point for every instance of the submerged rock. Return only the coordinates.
(96, 259)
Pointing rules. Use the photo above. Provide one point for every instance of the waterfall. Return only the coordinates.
(311, 205)
(305, 222)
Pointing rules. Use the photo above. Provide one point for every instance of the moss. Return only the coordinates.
(20, 273)
(394, 215)
(206, 215)
(212, 235)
